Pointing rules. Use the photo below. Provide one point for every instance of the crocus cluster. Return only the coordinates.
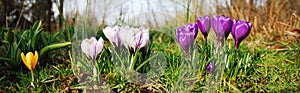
(186, 35)
(132, 38)
(223, 25)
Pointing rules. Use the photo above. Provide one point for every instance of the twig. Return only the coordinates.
(71, 60)
(19, 18)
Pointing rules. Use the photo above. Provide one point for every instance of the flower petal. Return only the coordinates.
(184, 37)
(29, 60)
(35, 60)
(145, 38)
(88, 47)
(217, 26)
(84, 47)
(109, 33)
(113, 35)
(99, 46)
(127, 36)
(23, 58)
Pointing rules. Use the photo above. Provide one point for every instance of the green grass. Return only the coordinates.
(267, 70)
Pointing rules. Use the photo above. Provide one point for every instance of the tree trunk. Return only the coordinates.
(61, 9)
(50, 13)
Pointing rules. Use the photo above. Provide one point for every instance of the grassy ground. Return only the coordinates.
(268, 70)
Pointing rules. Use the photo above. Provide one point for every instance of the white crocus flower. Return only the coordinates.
(91, 47)
(127, 36)
(113, 35)
(134, 38)
(142, 38)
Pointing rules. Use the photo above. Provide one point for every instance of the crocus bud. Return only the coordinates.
(210, 67)
(112, 34)
(240, 30)
(222, 26)
(204, 23)
(185, 37)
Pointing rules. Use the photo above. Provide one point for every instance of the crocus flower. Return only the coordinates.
(193, 29)
(142, 37)
(113, 35)
(204, 23)
(222, 26)
(30, 60)
(240, 30)
(210, 67)
(185, 37)
(126, 35)
(134, 38)
(91, 47)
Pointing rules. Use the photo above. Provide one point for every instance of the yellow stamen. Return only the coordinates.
(91, 41)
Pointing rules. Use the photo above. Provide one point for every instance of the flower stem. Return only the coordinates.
(94, 69)
(32, 79)
(206, 48)
(131, 62)
(32, 76)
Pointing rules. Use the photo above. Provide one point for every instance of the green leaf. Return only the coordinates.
(37, 30)
(54, 46)
(5, 59)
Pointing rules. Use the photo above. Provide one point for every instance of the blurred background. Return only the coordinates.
(275, 19)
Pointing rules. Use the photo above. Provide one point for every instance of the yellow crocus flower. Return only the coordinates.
(30, 60)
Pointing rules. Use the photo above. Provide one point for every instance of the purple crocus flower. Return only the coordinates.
(185, 37)
(210, 67)
(222, 26)
(193, 29)
(204, 23)
(240, 30)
